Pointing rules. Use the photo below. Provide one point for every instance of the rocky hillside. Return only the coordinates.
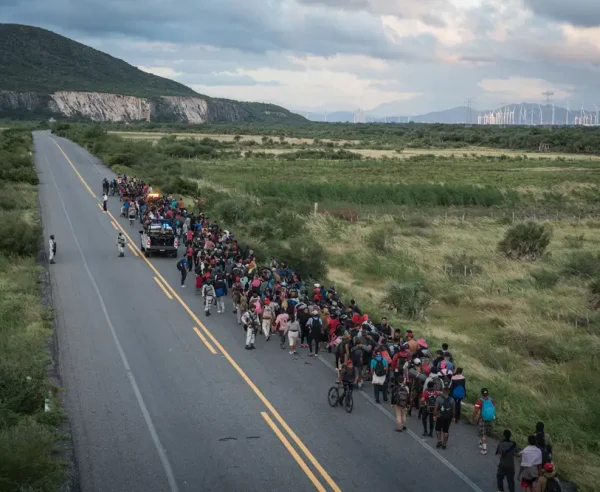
(43, 74)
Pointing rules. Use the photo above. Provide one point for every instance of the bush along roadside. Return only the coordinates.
(29, 410)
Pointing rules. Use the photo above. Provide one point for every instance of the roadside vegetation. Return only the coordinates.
(576, 140)
(28, 433)
(495, 255)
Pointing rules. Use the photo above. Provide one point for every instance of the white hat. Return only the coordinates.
(317, 285)
(417, 361)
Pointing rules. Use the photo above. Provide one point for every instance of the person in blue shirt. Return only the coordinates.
(379, 368)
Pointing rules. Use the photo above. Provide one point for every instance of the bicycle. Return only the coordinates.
(346, 398)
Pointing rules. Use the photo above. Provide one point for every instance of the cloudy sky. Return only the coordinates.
(409, 56)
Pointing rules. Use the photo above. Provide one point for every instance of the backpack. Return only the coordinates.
(179, 265)
(552, 485)
(488, 410)
(431, 398)
(317, 325)
(438, 384)
(458, 393)
(446, 409)
(402, 396)
(379, 368)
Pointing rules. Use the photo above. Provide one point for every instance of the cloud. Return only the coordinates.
(518, 89)
(167, 72)
(410, 56)
(584, 13)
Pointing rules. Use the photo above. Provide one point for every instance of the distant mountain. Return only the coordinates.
(523, 113)
(43, 73)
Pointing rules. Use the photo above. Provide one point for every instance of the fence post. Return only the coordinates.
(316, 208)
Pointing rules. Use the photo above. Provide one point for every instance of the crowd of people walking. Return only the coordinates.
(270, 300)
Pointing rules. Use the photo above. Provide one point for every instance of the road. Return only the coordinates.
(161, 398)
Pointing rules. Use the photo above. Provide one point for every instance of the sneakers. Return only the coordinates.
(443, 446)
(183, 286)
(480, 445)
(483, 451)
(291, 352)
(439, 445)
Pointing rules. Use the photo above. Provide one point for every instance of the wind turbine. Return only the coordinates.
(541, 116)
(552, 114)
(597, 111)
(568, 112)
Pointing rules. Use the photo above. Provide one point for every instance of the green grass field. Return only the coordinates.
(28, 433)
(424, 252)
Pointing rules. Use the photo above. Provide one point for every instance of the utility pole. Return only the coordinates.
(548, 95)
(468, 112)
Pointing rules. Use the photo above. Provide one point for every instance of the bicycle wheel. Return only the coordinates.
(333, 396)
(349, 403)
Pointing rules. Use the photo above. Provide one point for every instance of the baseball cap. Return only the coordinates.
(484, 392)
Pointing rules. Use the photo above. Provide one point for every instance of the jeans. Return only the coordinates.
(458, 401)
(183, 275)
(315, 337)
(507, 472)
(380, 388)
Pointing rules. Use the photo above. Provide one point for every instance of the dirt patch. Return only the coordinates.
(552, 169)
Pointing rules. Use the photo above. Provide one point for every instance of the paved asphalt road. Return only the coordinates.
(154, 407)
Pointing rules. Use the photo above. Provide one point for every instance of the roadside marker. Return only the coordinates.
(203, 338)
(162, 287)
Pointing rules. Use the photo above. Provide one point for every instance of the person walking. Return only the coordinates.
(251, 325)
(458, 390)
(121, 244)
(506, 451)
(268, 315)
(427, 405)
(485, 411)
(208, 294)
(400, 400)
(104, 201)
(51, 249)
(182, 266)
(281, 323)
(293, 332)
(315, 325)
(379, 367)
(444, 414)
(531, 464)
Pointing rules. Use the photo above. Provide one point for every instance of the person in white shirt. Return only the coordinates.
(51, 248)
(531, 461)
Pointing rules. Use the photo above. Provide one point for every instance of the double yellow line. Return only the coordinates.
(205, 335)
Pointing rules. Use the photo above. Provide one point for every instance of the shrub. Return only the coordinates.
(263, 229)
(305, 257)
(461, 266)
(18, 236)
(379, 239)
(410, 299)
(583, 264)
(232, 211)
(26, 462)
(545, 279)
(527, 240)
(574, 242)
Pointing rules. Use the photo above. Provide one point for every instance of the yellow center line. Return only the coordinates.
(163, 288)
(219, 347)
(76, 171)
(100, 207)
(293, 452)
(203, 338)
(132, 250)
(115, 226)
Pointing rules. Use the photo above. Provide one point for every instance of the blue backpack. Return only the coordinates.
(488, 410)
(458, 393)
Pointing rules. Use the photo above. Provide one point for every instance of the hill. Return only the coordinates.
(45, 74)
(37, 60)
